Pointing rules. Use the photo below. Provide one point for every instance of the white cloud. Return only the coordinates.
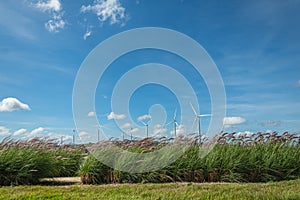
(87, 34)
(4, 131)
(49, 6)
(53, 7)
(58, 137)
(113, 115)
(143, 117)
(36, 132)
(180, 130)
(270, 123)
(10, 104)
(85, 136)
(233, 120)
(133, 130)
(268, 131)
(159, 129)
(91, 114)
(106, 10)
(126, 125)
(55, 24)
(245, 133)
(20, 132)
(83, 133)
(298, 83)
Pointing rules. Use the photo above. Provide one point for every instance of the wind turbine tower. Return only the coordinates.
(198, 118)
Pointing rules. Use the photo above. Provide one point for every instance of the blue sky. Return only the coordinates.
(255, 45)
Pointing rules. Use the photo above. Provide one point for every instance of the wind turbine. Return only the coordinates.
(198, 118)
(175, 122)
(98, 134)
(61, 140)
(100, 129)
(131, 133)
(147, 128)
(145, 117)
(123, 134)
(74, 131)
(128, 133)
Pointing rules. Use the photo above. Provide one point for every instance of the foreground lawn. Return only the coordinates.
(276, 190)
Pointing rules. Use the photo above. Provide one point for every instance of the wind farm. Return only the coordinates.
(172, 99)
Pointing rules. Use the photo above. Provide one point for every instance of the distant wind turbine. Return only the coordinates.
(147, 127)
(99, 130)
(74, 132)
(128, 133)
(175, 122)
(123, 135)
(198, 118)
(141, 118)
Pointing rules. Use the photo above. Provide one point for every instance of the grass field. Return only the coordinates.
(272, 190)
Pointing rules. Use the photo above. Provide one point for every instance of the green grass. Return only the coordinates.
(259, 162)
(25, 162)
(249, 191)
(259, 158)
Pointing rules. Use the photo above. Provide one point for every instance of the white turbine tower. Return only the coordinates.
(100, 131)
(129, 133)
(175, 124)
(198, 118)
(145, 119)
(74, 132)
(147, 127)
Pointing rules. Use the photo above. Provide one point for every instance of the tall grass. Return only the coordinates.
(25, 162)
(261, 157)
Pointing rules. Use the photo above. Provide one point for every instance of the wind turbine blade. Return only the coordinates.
(205, 115)
(104, 127)
(144, 123)
(176, 123)
(193, 109)
(194, 122)
(168, 123)
(175, 112)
